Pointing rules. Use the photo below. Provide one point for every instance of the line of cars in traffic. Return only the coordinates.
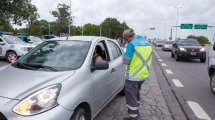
(183, 48)
(191, 49)
(18, 44)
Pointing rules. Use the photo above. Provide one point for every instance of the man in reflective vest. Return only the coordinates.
(138, 57)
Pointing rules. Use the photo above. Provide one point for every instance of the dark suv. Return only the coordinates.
(188, 49)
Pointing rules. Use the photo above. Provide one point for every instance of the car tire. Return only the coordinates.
(9, 56)
(79, 114)
(203, 60)
(176, 57)
(172, 55)
(212, 83)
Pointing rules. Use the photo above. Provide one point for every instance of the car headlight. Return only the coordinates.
(202, 50)
(39, 101)
(182, 49)
(24, 48)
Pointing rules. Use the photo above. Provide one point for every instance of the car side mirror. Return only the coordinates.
(101, 65)
(203, 45)
(2, 43)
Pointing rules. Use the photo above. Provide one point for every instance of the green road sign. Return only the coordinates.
(186, 26)
(201, 26)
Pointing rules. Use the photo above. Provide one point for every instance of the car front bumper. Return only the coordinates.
(56, 113)
(187, 55)
(167, 48)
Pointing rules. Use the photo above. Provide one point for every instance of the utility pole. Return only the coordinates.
(177, 20)
(124, 26)
(69, 17)
(83, 28)
(101, 25)
(164, 28)
(109, 32)
(49, 23)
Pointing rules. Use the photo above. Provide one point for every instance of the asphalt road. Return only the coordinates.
(3, 62)
(190, 83)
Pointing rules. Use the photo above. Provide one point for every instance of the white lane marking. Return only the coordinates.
(160, 59)
(157, 56)
(163, 64)
(169, 71)
(177, 83)
(199, 112)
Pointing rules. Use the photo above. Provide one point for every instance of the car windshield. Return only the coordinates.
(55, 56)
(35, 39)
(159, 41)
(12, 40)
(187, 42)
(169, 42)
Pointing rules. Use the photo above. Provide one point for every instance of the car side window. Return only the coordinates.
(114, 49)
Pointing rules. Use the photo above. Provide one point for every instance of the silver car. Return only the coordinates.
(158, 43)
(167, 45)
(62, 83)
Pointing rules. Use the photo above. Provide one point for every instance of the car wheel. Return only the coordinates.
(212, 83)
(172, 55)
(176, 57)
(9, 56)
(79, 114)
(203, 60)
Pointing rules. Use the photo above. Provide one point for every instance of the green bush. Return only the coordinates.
(200, 39)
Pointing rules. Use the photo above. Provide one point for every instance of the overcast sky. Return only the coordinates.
(140, 14)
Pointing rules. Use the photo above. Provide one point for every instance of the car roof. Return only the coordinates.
(83, 38)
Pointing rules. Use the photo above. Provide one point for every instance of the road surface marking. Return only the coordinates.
(157, 56)
(163, 64)
(169, 71)
(199, 112)
(160, 59)
(177, 83)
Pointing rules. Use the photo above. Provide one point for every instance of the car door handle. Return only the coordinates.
(113, 70)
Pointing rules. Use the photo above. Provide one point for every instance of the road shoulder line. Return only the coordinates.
(172, 102)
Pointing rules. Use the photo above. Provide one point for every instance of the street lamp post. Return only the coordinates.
(83, 28)
(164, 28)
(109, 32)
(101, 25)
(148, 29)
(177, 20)
(69, 17)
(49, 23)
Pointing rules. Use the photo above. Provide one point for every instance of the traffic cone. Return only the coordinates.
(13, 59)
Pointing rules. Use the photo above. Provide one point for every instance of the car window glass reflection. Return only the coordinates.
(58, 54)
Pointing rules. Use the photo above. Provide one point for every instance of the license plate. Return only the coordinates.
(193, 53)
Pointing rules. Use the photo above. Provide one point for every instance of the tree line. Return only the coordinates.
(22, 11)
(200, 39)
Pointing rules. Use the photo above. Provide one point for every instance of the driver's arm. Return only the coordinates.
(98, 58)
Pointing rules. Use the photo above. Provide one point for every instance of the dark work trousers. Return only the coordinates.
(132, 96)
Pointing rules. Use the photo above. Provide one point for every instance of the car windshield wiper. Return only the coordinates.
(45, 67)
(26, 66)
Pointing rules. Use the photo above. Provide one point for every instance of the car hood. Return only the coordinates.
(191, 47)
(18, 83)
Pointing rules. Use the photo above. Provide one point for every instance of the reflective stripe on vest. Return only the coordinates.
(145, 64)
(137, 70)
